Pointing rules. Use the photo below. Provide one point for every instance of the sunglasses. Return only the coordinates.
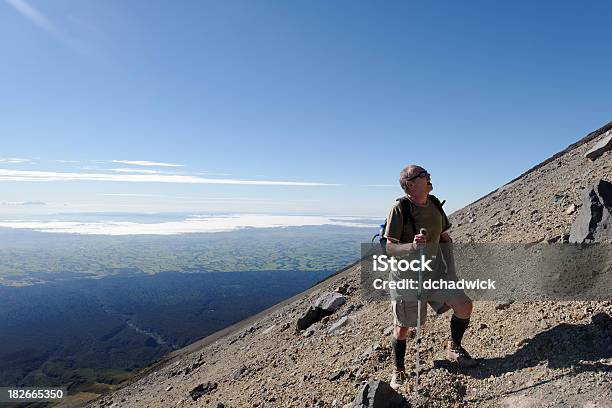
(424, 173)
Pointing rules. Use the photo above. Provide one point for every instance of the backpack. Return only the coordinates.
(407, 213)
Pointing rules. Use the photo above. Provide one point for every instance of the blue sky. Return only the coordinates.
(330, 98)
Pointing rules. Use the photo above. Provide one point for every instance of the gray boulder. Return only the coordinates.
(310, 317)
(594, 220)
(377, 394)
(600, 147)
(325, 305)
(330, 301)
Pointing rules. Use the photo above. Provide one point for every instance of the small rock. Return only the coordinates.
(169, 388)
(504, 305)
(348, 310)
(483, 326)
(343, 289)
(336, 375)
(377, 394)
(338, 324)
(570, 210)
(521, 342)
(238, 373)
(600, 148)
(202, 389)
(388, 330)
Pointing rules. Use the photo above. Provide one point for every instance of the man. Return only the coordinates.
(402, 241)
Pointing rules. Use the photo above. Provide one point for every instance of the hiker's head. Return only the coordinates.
(415, 180)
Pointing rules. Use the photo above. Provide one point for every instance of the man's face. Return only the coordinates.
(420, 183)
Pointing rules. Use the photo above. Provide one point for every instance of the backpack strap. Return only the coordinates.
(407, 212)
(437, 202)
(439, 205)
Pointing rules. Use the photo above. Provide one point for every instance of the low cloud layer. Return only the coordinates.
(147, 163)
(22, 203)
(195, 224)
(14, 160)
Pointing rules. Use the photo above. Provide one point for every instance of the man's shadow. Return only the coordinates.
(563, 346)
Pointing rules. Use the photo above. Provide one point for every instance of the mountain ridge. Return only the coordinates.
(586, 139)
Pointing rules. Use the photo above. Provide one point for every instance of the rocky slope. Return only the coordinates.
(532, 353)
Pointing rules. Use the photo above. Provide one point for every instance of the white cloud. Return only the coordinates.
(207, 173)
(131, 195)
(27, 175)
(189, 225)
(40, 20)
(196, 200)
(14, 160)
(34, 16)
(147, 163)
(22, 203)
(141, 171)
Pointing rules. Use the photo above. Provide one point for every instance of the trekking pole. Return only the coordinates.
(422, 231)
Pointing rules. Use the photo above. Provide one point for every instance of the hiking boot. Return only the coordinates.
(398, 379)
(459, 355)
